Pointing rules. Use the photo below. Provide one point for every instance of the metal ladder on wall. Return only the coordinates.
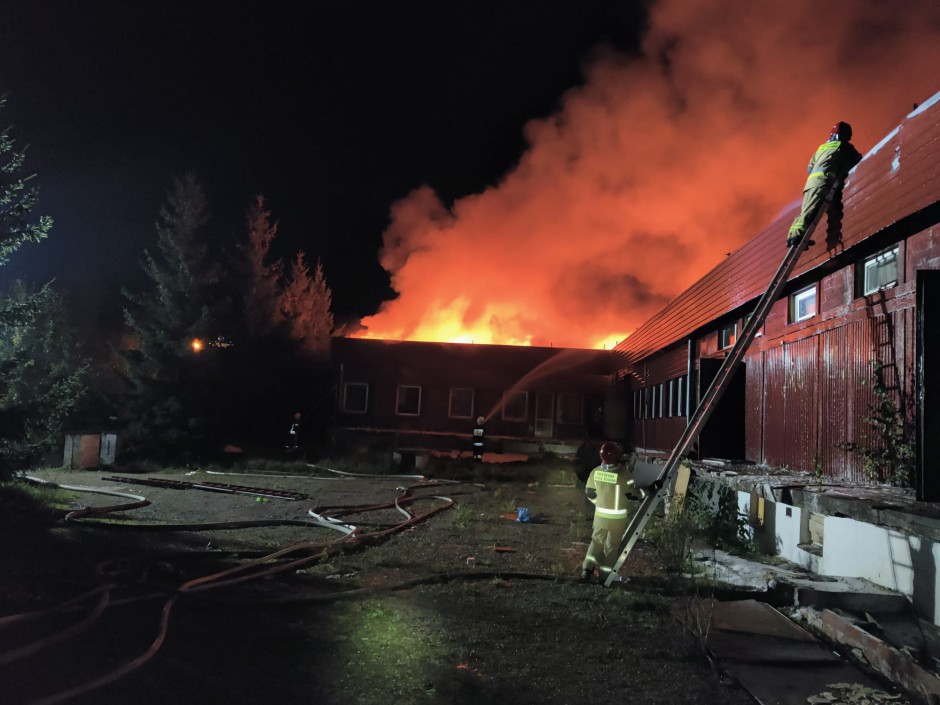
(709, 400)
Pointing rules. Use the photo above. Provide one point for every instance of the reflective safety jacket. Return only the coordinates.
(832, 160)
(607, 487)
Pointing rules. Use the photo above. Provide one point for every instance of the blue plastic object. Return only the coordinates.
(524, 515)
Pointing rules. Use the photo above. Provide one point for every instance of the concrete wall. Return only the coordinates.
(856, 549)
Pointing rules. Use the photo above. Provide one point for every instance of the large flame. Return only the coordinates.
(653, 170)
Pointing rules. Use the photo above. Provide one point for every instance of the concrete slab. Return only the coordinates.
(795, 586)
(774, 660)
(757, 618)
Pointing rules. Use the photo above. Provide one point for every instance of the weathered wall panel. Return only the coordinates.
(801, 423)
(835, 385)
(670, 364)
(753, 403)
(776, 363)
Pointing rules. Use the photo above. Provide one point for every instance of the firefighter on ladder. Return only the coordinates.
(608, 487)
(832, 160)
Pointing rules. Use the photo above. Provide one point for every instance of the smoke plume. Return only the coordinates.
(654, 169)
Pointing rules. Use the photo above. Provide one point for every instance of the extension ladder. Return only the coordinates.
(709, 400)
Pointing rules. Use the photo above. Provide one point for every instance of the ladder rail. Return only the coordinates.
(717, 387)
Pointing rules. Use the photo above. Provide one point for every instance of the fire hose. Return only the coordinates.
(327, 517)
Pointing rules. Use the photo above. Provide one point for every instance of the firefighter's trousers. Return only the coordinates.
(604, 549)
(812, 200)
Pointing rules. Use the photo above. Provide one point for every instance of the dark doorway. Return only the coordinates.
(723, 435)
(927, 386)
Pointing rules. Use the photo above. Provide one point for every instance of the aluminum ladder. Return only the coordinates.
(709, 400)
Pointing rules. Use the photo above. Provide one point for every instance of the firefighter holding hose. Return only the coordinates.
(608, 487)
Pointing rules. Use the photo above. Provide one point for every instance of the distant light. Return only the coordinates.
(197, 345)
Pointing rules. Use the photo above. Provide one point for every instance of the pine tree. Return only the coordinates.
(18, 196)
(180, 305)
(39, 379)
(264, 279)
(41, 374)
(305, 307)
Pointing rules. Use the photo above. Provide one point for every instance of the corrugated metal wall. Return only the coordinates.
(818, 391)
(754, 407)
(790, 411)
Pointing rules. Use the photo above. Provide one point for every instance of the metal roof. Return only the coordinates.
(897, 177)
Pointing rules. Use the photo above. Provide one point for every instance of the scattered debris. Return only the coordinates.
(337, 576)
(854, 694)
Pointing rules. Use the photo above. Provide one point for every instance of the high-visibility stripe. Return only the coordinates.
(611, 513)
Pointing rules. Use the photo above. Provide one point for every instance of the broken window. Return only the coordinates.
(409, 400)
(803, 304)
(355, 397)
(878, 272)
(460, 405)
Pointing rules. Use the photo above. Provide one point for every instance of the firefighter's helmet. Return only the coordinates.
(842, 131)
(610, 453)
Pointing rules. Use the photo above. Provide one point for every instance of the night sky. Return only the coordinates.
(332, 110)
(518, 172)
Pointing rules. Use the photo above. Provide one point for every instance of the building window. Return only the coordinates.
(728, 336)
(671, 399)
(879, 271)
(803, 304)
(409, 400)
(662, 398)
(460, 405)
(355, 397)
(570, 408)
(680, 396)
(515, 405)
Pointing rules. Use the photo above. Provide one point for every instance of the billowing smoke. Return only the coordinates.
(654, 169)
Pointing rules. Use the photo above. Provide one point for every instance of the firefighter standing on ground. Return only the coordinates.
(830, 163)
(608, 487)
(479, 442)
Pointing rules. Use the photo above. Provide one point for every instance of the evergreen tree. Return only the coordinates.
(171, 387)
(264, 279)
(306, 307)
(18, 196)
(39, 379)
(41, 374)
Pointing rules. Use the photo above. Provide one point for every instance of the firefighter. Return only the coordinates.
(479, 442)
(293, 435)
(608, 487)
(830, 163)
